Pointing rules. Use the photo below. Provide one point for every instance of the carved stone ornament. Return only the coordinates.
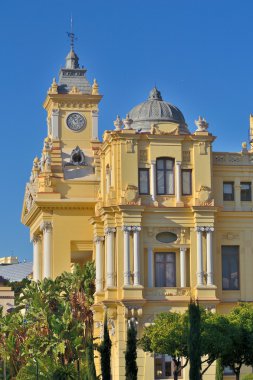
(164, 130)
(46, 226)
(202, 124)
(29, 198)
(131, 193)
(204, 194)
(77, 158)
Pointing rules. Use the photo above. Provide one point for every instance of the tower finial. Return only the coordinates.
(71, 34)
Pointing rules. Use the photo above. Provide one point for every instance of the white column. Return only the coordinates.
(37, 258)
(183, 267)
(150, 267)
(109, 233)
(136, 232)
(55, 123)
(46, 227)
(178, 181)
(126, 231)
(94, 125)
(209, 255)
(153, 180)
(199, 256)
(99, 263)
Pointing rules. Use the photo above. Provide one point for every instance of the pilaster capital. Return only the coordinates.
(136, 229)
(178, 163)
(110, 230)
(183, 248)
(153, 162)
(94, 113)
(46, 226)
(98, 239)
(36, 239)
(209, 229)
(55, 112)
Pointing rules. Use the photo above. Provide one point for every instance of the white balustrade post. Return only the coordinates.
(178, 182)
(136, 232)
(109, 233)
(200, 275)
(126, 231)
(153, 180)
(209, 255)
(99, 263)
(46, 227)
(150, 267)
(37, 258)
(183, 267)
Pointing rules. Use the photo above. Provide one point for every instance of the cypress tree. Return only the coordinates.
(194, 341)
(219, 370)
(91, 370)
(105, 353)
(131, 352)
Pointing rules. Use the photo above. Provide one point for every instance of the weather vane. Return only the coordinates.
(71, 34)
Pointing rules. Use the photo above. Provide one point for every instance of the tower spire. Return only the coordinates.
(72, 58)
(71, 34)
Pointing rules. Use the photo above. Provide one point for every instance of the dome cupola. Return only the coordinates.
(156, 110)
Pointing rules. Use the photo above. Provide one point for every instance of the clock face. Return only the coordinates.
(76, 122)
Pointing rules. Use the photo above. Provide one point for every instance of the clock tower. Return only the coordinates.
(61, 194)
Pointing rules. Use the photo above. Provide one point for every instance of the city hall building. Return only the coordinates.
(163, 216)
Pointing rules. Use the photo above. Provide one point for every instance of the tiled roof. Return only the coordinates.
(16, 272)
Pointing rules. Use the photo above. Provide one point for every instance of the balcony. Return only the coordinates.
(167, 294)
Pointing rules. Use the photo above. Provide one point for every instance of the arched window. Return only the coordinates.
(165, 176)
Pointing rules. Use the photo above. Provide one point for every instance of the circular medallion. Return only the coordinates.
(76, 122)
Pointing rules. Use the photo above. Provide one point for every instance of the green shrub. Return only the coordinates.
(248, 377)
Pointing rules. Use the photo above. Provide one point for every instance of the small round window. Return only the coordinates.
(166, 237)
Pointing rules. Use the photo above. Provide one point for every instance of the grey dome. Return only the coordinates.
(155, 110)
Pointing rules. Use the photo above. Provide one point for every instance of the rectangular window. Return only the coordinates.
(246, 191)
(230, 267)
(144, 181)
(228, 191)
(165, 176)
(228, 371)
(164, 367)
(186, 181)
(165, 269)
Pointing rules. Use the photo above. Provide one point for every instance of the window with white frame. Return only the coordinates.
(165, 176)
(165, 269)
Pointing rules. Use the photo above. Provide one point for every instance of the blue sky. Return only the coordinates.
(198, 53)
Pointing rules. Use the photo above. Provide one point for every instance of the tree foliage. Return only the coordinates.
(52, 323)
